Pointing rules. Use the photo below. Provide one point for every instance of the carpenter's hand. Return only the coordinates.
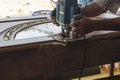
(54, 21)
(82, 26)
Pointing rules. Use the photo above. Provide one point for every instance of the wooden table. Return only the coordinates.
(41, 58)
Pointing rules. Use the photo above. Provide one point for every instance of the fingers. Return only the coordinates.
(75, 23)
(82, 26)
(79, 27)
(79, 31)
(77, 16)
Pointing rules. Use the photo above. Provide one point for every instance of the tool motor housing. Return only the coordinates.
(65, 10)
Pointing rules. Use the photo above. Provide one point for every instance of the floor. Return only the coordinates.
(97, 76)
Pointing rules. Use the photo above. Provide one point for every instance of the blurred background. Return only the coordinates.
(17, 8)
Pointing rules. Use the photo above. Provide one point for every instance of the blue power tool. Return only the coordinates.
(64, 12)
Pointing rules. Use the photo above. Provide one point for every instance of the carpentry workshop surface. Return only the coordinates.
(33, 48)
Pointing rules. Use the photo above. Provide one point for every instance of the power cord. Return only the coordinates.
(52, 1)
(84, 38)
(84, 57)
(84, 45)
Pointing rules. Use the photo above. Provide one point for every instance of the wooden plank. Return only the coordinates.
(110, 78)
(55, 58)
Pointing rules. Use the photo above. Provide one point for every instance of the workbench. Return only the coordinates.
(43, 58)
(39, 58)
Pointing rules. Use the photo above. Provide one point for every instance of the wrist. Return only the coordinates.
(98, 23)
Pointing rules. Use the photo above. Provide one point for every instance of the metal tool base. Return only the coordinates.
(60, 38)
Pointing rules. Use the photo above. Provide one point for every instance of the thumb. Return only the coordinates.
(75, 23)
(79, 31)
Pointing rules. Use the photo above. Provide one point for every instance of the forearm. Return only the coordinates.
(107, 24)
(93, 9)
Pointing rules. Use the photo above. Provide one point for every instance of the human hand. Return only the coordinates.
(82, 26)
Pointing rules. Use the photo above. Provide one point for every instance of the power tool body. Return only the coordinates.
(64, 12)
